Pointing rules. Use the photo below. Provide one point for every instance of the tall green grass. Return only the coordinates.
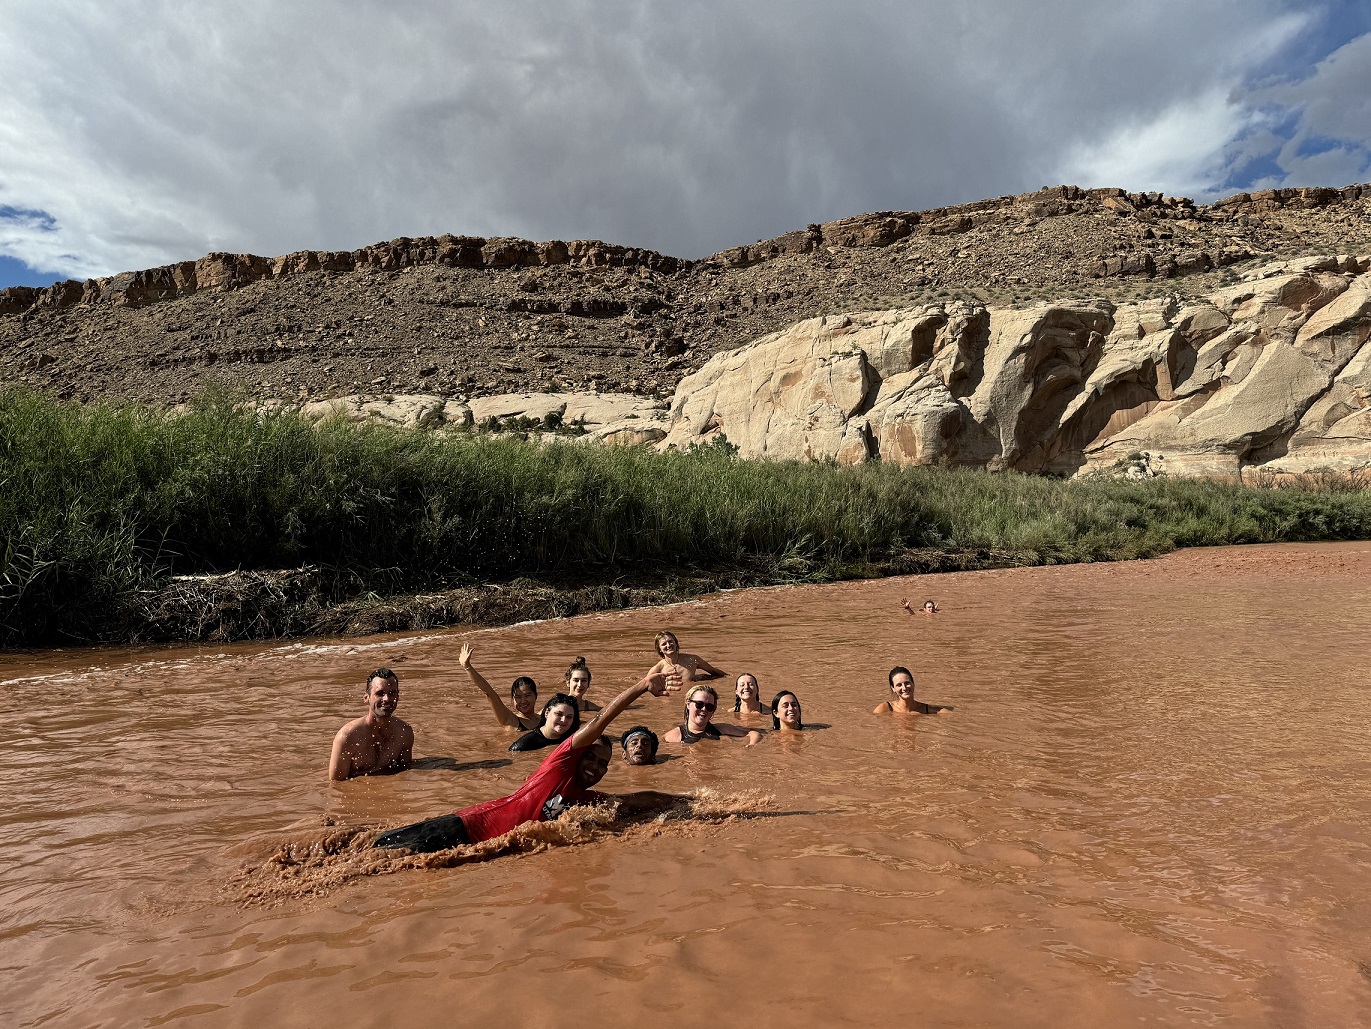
(99, 502)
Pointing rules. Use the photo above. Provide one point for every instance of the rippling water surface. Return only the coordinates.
(1150, 805)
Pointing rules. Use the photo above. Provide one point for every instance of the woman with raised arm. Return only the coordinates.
(902, 700)
(747, 698)
(563, 779)
(578, 684)
(524, 694)
(701, 703)
(690, 667)
(561, 718)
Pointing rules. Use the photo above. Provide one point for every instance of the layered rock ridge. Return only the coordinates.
(1271, 372)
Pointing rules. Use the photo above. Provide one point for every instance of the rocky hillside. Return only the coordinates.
(460, 316)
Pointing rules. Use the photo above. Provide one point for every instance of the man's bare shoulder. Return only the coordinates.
(358, 727)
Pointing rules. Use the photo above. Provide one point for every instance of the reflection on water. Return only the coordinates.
(1149, 804)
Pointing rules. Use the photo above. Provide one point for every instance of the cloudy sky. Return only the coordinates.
(142, 132)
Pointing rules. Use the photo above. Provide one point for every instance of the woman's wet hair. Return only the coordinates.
(737, 700)
(579, 665)
(523, 680)
(640, 730)
(570, 701)
(700, 688)
(664, 634)
(776, 719)
(896, 671)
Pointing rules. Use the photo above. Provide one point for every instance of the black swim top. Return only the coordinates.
(711, 733)
(534, 740)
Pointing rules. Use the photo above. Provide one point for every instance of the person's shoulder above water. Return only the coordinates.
(533, 740)
(902, 700)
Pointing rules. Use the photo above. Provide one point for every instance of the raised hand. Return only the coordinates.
(464, 656)
(659, 684)
(905, 604)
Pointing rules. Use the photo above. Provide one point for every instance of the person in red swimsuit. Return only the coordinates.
(563, 779)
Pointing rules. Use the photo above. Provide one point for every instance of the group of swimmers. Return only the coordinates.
(378, 743)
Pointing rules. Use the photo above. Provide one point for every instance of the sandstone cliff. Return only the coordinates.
(1271, 372)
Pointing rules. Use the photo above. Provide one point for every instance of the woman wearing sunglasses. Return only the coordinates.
(699, 721)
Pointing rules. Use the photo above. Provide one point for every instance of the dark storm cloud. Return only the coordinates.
(158, 131)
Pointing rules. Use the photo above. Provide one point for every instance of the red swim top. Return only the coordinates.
(545, 794)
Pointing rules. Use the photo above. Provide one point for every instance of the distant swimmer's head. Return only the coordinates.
(700, 707)
(930, 608)
(383, 692)
(524, 693)
(594, 763)
(578, 678)
(745, 691)
(640, 746)
(667, 644)
(785, 711)
(902, 683)
(560, 716)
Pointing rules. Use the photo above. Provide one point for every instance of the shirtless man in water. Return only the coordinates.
(688, 667)
(378, 743)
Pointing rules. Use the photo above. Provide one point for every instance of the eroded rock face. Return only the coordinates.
(1272, 371)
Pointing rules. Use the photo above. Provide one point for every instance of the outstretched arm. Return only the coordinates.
(905, 604)
(729, 729)
(704, 671)
(498, 707)
(656, 683)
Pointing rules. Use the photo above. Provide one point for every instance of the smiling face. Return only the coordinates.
(902, 685)
(788, 711)
(929, 607)
(557, 721)
(667, 645)
(578, 682)
(383, 696)
(593, 765)
(525, 698)
(746, 689)
(699, 710)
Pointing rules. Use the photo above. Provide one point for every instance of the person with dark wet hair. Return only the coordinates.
(785, 712)
(902, 700)
(690, 667)
(747, 698)
(564, 779)
(378, 743)
(930, 608)
(578, 683)
(561, 718)
(640, 746)
(699, 723)
(524, 694)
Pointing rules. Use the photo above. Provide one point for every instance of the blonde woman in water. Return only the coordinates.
(688, 667)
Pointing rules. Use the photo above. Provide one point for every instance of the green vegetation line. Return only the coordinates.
(102, 502)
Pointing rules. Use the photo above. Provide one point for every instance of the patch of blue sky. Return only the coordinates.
(14, 272)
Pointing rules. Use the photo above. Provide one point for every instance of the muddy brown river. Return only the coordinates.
(1151, 805)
